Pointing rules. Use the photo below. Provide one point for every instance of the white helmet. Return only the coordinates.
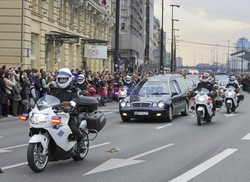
(232, 79)
(128, 79)
(63, 77)
(80, 79)
(205, 77)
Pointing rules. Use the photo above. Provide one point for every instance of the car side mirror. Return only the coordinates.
(174, 94)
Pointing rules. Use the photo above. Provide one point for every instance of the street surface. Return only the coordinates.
(149, 151)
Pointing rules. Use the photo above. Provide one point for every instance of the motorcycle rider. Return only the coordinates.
(65, 91)
(205, 82)
(233, 83)
(81, 84)
(128, 82)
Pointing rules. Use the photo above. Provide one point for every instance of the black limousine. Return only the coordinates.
(156, 97)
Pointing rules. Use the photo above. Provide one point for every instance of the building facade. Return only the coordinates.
(132, 34)
(237, 63)
(55, 33)
(149, 38)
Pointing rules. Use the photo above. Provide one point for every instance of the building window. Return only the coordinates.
(123, 26)
(123, 4)
(33, 49)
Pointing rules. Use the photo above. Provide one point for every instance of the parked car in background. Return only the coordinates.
(157, 97)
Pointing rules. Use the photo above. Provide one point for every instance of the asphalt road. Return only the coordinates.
(150, 151)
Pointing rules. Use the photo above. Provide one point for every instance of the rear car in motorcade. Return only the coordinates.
(156, 97)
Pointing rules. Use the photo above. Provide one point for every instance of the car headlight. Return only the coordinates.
(123, 104)
(128, 104)
(39, 118)
(161, 104)
(201, 99)
(154, 104)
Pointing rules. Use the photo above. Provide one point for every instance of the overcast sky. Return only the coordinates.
(206, 21)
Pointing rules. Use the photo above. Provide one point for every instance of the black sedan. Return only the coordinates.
(158, 97)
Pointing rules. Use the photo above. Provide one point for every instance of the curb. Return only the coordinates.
(8, 119)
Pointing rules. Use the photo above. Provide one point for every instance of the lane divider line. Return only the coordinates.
(247, 137)
(25, 163)
(150, 152)
(161, 127)
(204, 166)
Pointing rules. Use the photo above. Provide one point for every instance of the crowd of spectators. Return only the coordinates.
(17, 84)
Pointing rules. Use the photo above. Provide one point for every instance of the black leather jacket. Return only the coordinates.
(67, 94)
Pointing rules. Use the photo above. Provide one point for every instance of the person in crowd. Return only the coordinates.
(3, 94)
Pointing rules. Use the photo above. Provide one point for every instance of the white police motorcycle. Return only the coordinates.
(231, 99)
(51, 136)
(203, 106)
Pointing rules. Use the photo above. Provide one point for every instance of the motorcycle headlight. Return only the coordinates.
(161, 104)
(201, 99)
(39, 118)
(229, 94)
(123, 104)
(154, 104)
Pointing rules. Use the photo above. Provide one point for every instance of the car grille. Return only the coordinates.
(141, 104)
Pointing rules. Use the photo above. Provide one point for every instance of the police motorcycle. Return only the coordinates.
(203, 105)
(51, 137)
(232, 99)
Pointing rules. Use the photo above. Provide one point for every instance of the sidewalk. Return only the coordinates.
(109, 107)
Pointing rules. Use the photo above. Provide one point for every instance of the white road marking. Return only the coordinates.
(25, 163)
(230, 115)
(192, 116)
(204, 166)
(118, 163)
(1, 136)
(161, 127)
(247, 137)
(99, 145)
(15, 165)
(150, 152)
(7, 149)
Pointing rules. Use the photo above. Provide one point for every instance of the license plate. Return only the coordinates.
(141, 113)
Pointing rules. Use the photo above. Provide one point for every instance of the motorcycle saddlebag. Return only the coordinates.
(96, 121)
(88, 104)
(218, 103)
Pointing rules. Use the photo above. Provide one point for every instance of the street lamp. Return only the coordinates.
(117, 37)
(172, 43)
(161, 58)
(174, 51)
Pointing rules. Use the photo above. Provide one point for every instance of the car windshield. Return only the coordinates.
(146, 88)
(190, 83)
(47, 101)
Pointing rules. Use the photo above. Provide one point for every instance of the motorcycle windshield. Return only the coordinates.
(231, 88)
(203, 91)
(47, 101)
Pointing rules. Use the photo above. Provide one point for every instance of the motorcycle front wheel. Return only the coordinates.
(36, 160)
(198, 120)
(228, 110)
